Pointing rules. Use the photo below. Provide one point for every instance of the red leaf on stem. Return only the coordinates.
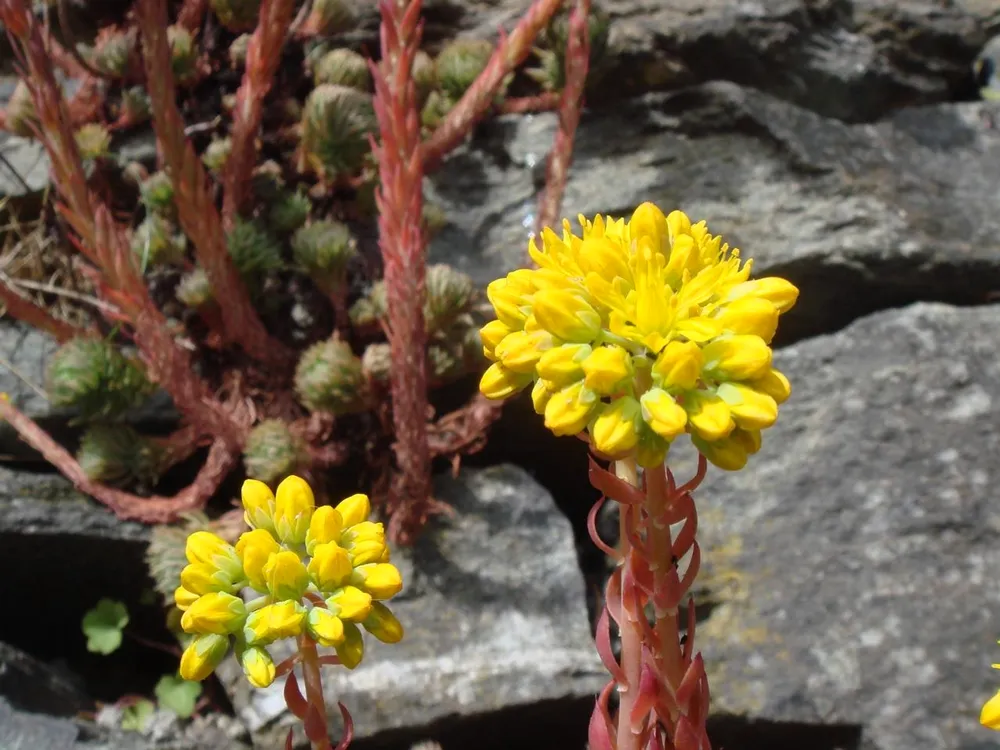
(294, 699)
(601, 730)
(348, 727)
(604, 650)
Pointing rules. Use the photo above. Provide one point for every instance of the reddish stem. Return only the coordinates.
(402, 242)
(570, 104)
(524, 104)
(511, 51)
(309, 658)
(38, 317)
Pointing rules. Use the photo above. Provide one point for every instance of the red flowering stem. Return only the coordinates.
(316, 731)
(155, 509)
(570, 104)
(263, 56)
(402, 242)
(511, 51)
(524, 104)
(199, 217)
(629, 628)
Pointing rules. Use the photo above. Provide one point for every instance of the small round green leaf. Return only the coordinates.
(103, 626)
(179, 695)
(134, 717)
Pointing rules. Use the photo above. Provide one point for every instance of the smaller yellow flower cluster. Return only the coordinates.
(319, 571)
(637, 332)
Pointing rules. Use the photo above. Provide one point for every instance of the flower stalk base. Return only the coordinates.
(661, 681)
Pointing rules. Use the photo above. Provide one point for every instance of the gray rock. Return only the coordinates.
(862, 217)
(29, 685)
(26, 731)
(495, 614)
(849, 569)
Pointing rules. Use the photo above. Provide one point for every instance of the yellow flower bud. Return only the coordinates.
(206, 548)
(202, 656)
(258, 504)
(753, 316)
(782, 293)
(383, 624)
(989, 717)
(492, 334)
(254, 548)
(570, 409)
(729, 453)
(684, 258)
(508, 302)
(737, 357)
(350, 603)
(354, 510)
(678, 224)
(257, 666)
(751, 409)
(774, 384)
(330, 566)
(708, 415)
(540, 395)
(564, 364)
(364, 542)
(616, 431)
(499, 383)
(204, 578)
(325, 627)
(607, 370)
(520, 351)
(648, 221)
(274, 622)
(218, 613)
(381, 580)
(285, 575)
(663, 414)
(679, 365)
(184, 598)
(326, 525)
(566, 315)
(352, 649)
(293, 508)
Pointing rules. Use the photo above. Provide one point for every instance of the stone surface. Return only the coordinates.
(494, 612)
(861, 217)
(849, 569)
(28, 684)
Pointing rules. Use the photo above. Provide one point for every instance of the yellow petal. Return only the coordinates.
(663, 414)
(754, 316)
(254, 548)
(774, 384)
(257, 666)
(202, 656)
(382, 624)
(678, 224)
(350, 603)
(492, 334)
(566, 315)
(285, 575)
(184, 598)
(354, 509)
(274, 622)
(330, 566)
(218, 613)
(570, 409)
(607, 370)
(564, 364)
(381, 580)
(325, 627)
(521, 350)
(499, 383)
(258, 504)
(990, 715)
(708, 415)
(751, 409)
(737, 357)
(729, 453)
(648, 221)
(679, 365)
(540, 395)
(325, 526)
(352, 649)
(783, 294)
(616, 431)
(293, 508)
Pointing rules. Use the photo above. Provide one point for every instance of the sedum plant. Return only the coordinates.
(631, 335)
(315, 576)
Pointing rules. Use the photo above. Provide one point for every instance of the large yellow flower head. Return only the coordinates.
(637, 332)
(322, 572)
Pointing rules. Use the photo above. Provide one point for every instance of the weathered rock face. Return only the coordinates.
(494, 610)
(848, 569)
(861, 217)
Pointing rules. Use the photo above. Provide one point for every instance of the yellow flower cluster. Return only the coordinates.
(990, 715)
(638, 332)
(319, 571)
